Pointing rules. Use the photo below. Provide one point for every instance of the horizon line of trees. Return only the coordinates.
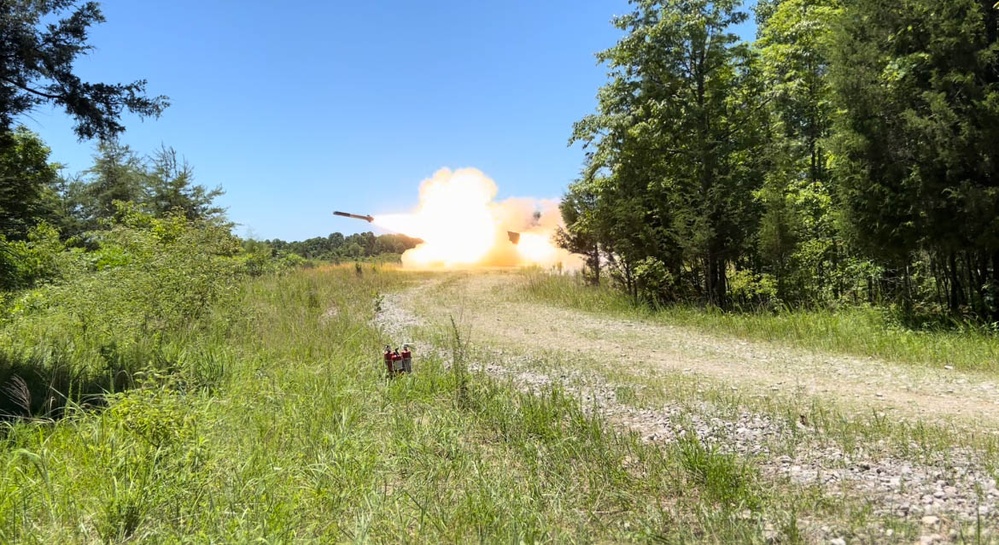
(849, 153)
(41, 207)
(336, 247)
(32, 190)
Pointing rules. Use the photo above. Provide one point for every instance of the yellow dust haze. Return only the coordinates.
(462, 226)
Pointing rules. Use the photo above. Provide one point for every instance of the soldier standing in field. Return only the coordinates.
(396, 362)
(388, 360)
(407, 359)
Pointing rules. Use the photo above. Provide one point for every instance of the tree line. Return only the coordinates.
(34, 191)
(39, 203)
(44, 212)
(336, 247)
(849, 153)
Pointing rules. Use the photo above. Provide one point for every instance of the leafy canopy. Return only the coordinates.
(39, 42)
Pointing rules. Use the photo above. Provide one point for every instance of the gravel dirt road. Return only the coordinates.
(951, 496)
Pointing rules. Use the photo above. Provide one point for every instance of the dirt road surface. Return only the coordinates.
(943, 492)
(486, 305)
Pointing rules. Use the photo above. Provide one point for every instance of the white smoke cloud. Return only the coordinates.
(462, 226)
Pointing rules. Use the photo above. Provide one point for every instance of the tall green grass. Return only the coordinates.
(571, 291)
(862, 331)
(859, 331)
(293, 434)
(129, 308)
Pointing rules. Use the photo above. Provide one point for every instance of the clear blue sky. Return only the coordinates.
(300, 108)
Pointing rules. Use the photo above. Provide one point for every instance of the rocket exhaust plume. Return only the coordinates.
(462, 226)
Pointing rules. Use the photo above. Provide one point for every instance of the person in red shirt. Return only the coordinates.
(388, 360)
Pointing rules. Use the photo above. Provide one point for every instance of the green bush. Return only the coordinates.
(750, 290)
(106, 315)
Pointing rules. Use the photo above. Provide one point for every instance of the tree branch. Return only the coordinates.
(30, 90)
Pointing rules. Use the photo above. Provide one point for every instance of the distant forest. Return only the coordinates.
(337, 247)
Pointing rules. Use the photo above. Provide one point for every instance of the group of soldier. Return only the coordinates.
(397, 362)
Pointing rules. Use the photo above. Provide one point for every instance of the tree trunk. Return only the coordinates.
(972, 285)
(594, 259)
(955, 299)
(722, 284)
(994, 283)
(716, 289)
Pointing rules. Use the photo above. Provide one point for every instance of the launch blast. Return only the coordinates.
(512, 235)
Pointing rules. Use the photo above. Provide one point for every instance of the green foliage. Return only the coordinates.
(886, 333)
(156, 415)
(304, 440)
(581, 234)
(116, 176)
(108, 314)
(171, 190)
(258, 257)
(849, 154)
(571, 291)
(41, 258)
(753, 291)
(799, 243)
(675, 153)
(169, 269)
(161, 186)
(917, 85)
(653, 281)
(41, 42)
(336, 248)
(722, 477)
(25, 178)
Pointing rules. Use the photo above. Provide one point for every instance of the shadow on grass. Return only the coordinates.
(40, 383)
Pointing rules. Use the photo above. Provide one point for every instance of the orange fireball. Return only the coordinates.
(461, 226)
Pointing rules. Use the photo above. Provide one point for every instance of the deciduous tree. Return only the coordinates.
(673, 143)
(25, 177)
(798, 240)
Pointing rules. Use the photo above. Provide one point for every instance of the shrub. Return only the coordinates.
(107, 315)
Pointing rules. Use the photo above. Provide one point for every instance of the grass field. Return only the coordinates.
(273, 423)
(269, 419)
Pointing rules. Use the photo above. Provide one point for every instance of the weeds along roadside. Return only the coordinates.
(302, 439)
(534, 370)
(860, 331)
(812, 422)
(715, 408)
(863, 332)
(454, 456)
